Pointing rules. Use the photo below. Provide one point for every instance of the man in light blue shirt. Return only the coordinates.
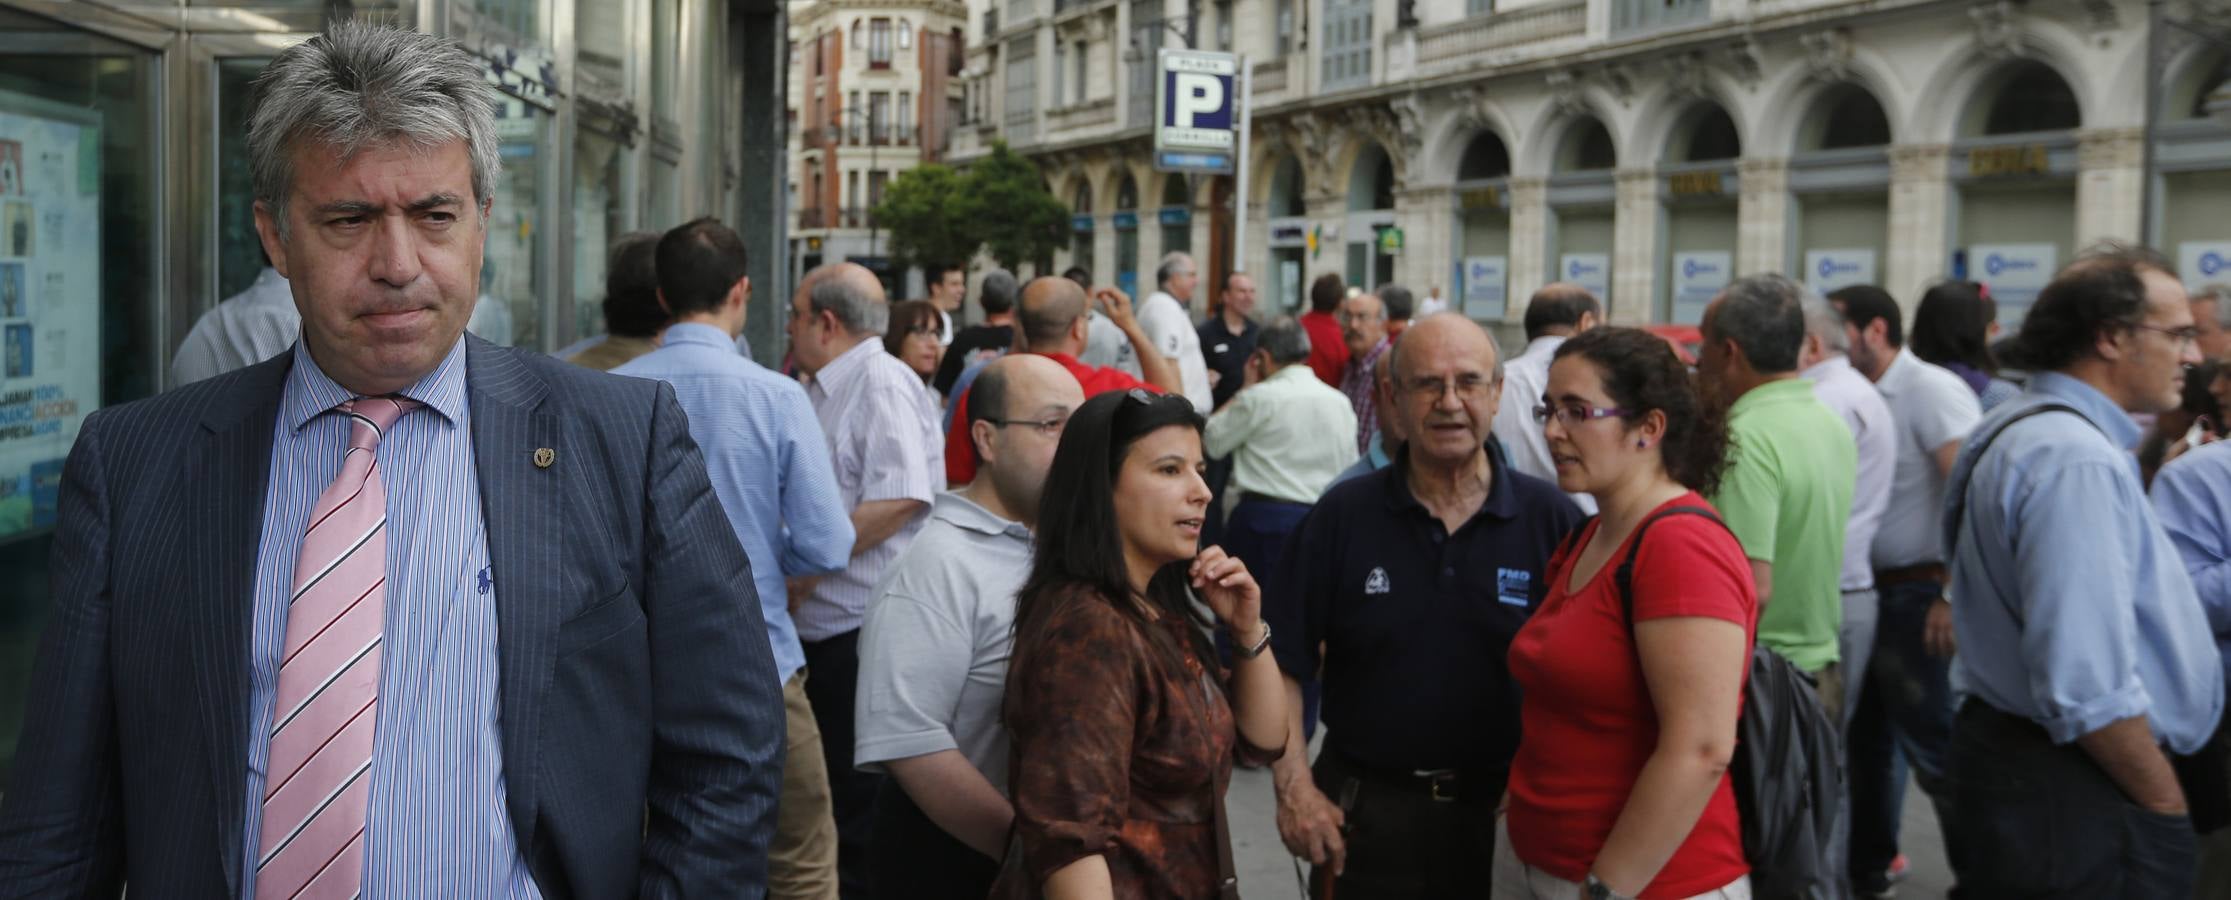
(2192, 495)
(2084, 653)
(770, 468)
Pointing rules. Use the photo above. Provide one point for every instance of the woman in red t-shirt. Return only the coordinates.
(1620, 785)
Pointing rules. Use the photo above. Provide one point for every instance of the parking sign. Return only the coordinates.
(1197, 111)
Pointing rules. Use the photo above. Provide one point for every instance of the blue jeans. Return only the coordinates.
(1904, 720)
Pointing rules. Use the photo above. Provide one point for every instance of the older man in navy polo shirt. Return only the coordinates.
(1414, 578)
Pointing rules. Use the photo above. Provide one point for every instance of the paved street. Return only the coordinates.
(1267, 872)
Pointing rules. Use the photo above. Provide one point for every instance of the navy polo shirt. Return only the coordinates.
(1226, 354)
(1416, 622)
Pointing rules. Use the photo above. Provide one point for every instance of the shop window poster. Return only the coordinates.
(50, 299)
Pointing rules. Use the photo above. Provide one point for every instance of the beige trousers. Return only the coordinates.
(802, 862)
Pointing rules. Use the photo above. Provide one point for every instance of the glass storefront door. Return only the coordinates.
(77, 295)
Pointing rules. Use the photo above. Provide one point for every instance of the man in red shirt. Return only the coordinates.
(1328, 350)
(1052, 322)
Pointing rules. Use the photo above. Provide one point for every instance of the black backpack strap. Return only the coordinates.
(1570, 543)
(1959, 491)
(1624, 575)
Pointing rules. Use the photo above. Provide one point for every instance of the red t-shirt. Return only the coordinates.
(1587, 717)
(1328, 350)
(960, 452)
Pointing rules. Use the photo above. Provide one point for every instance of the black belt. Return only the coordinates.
(1252, 497)
(1443, 785)
(1933, 573)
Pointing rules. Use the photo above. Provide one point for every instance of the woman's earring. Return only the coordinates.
(1642, 445)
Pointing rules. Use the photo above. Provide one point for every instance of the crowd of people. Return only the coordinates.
(992, 610)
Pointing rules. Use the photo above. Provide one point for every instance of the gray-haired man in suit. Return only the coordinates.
(379, 616)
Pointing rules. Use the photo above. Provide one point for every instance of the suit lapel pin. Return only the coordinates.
(544, 457)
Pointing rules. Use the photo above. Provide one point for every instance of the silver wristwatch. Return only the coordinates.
(1261, 644)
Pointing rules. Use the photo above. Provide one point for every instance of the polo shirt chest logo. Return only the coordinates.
(1376, 583)
(1513, 587)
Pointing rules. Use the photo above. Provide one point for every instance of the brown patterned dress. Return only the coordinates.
(1118, 752)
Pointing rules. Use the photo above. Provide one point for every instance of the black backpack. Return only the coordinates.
(1788, 770)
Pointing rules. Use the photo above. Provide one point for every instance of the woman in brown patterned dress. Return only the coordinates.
(1124, 725)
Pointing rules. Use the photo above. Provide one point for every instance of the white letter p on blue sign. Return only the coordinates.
(1196, 95)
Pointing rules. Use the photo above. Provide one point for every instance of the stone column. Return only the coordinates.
(1762, 217)
(1427, 217)
(2110, 185)
(1529, 260)
(1634, 250)
(1920, 219)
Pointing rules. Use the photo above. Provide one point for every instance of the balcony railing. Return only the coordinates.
(810, 217)
(1633, 17)
(1089, 114)
(859, 217)
(1269, 78)
(1462, 42)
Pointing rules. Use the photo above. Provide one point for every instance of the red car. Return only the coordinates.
(1685, 340)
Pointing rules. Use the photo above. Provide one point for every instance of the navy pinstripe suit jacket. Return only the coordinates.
(642, 727)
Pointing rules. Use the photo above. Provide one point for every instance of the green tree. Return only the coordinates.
(999, 204)
(1006, 198)
(922, 211)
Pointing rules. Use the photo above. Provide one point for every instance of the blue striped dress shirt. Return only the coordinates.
(769, 464)
(436, 823)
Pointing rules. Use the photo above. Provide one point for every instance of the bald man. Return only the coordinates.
(1052, 318)
(889, 460)
(1413, 579)
(1555, 313)
(934, 651)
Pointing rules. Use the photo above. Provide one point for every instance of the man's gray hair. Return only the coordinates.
(1765, 316)
(1824, 322)
(1285, 340)
(857, 310)
(1172, 263)
(359, 85)
(2219, 293)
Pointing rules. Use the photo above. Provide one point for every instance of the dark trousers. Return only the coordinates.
(1403, 843)
(2045, 821)
(833, 676)
(1256, 535)
(1904, 721)
(913, 857)
(1219, 480)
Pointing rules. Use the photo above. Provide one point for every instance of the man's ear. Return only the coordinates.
(739, 294)
(980, 433)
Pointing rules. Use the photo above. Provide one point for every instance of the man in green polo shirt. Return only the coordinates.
(1787, 490)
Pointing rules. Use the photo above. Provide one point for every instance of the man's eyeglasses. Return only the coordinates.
(2185, 337)
(1467, 387)
(1044, 427)
(1572, 415)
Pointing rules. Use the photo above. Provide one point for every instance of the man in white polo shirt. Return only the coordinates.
(1907, 705)
(1164, 317)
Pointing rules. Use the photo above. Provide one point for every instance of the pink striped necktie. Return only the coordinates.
(317, 781)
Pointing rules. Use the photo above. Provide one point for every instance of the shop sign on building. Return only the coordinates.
(1829, 270)
(1486, 286)
(1697, 278)
(2014, 273)
(1591, 271)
